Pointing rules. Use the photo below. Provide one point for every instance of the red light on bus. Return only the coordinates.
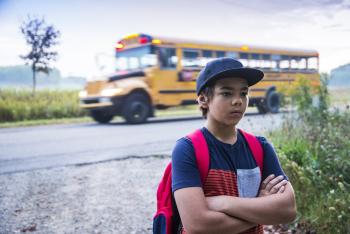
(143, 40)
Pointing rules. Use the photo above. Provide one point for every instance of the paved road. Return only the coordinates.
(28, 148)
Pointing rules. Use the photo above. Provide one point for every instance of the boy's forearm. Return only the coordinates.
(273, 209)
(218, 222)
(196, 216)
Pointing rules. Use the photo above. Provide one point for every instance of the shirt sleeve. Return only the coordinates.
(185, 172)
(271, 162)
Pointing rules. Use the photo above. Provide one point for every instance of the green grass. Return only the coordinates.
(314, 150)
(339, 97)
(315, 157)
(21, 105)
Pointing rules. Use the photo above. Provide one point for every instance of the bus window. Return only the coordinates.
(207, 53)
(303, 63)
(312, 63)
(133, 63)
(122, 64)
(190, 58)
(167, 58)
(266, 62)
(232, 54)
(266, 56)
(220, 54)
(276, 57)
(135, 58)
(243, 58)
(274, 65)
(207, 56)
(148, 60)
(275, 61)
(254, 60)
(243, 55)
(294, 63)
(253, 63)
(255, 56)
(284, 63)
(297, 63)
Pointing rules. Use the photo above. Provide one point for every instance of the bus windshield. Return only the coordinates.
(136, 58)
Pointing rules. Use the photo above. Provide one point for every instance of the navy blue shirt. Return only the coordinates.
(228, 162)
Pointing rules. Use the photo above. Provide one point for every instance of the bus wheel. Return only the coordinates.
(136, 108)
(261, 107)
(273, 101)
(101, 116)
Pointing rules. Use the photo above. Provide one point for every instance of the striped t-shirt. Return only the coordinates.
(232, 168)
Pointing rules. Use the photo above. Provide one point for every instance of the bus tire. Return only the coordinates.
(273, 101)
(136, 108)
(101, 116)
(262, 107)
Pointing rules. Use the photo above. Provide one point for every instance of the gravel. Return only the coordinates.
(111, 197)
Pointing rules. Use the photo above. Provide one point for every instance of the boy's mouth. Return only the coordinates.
(236, 112)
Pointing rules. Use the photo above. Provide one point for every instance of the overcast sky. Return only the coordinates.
(90, 28)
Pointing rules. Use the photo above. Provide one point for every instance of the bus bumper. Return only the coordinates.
(113, 104)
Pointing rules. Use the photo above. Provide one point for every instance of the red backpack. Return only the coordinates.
(167, 219)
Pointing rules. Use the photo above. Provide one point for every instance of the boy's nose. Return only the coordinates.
(237, 101)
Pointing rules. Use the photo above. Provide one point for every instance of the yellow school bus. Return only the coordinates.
(157, 73)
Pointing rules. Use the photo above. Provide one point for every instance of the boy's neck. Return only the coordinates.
(226, 134)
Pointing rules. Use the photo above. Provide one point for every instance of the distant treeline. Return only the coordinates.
(340, 76)
(21, 77)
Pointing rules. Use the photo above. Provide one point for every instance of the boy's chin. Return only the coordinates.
(232, 122)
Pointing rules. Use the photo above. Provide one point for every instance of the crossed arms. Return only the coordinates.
(226, 214)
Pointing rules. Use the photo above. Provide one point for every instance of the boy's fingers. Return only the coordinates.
(281, 190)
(276, 188)
(267, 180)
(274, 182)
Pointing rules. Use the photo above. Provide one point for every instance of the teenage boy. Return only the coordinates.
(236, 197)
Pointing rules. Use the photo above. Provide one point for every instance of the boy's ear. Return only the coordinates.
(202, 100)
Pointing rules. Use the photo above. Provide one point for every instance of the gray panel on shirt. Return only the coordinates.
(248, 181)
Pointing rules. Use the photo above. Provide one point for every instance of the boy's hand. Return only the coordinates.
(272, 185)
(269, 186)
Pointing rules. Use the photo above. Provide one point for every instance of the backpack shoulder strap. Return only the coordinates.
(255, 147)
(202, 153)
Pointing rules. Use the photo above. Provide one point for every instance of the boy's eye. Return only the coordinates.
(243, 94)
(226, 94)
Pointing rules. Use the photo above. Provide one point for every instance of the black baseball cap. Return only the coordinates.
(224, 68)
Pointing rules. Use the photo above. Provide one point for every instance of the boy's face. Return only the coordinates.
(229, 101)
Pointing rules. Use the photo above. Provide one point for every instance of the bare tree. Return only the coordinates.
(41, 38)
